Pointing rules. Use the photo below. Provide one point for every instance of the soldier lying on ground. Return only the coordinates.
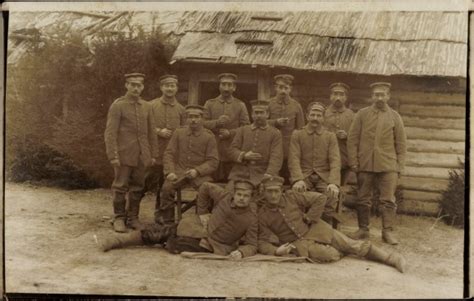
(229, 218)
(295, 219)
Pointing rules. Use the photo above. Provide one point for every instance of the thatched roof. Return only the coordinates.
(381, 43)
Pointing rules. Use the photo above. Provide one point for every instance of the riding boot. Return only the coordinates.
(119, 203)
(117, 241)
(395, 260)
(363, 219)
(388, 218)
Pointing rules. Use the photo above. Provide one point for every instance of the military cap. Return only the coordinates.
(315, 105)
(135, 77)
(244, 184)
(286, 78)
(194, 108)
(381, 84)
(259, 104)
(273, 181)
(168, 78)
(227, 77)
(340, 85)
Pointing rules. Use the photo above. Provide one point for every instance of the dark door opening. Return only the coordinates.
(245, 92)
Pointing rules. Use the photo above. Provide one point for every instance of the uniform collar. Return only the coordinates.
(222, 100)
(310, 131)
(197, 133)
(131, 100)
(253, 126)
(376, 110)
(333, 109)
(172, 103)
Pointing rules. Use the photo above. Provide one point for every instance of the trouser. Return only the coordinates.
(165, 213)
(129, 179)
(315, 183)
(385, 182)
(154, 181)
(345, 172)
(223, 170)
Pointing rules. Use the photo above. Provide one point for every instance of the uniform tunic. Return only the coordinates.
(288, 108)
(339, 119)
(235, 109)
(168, 115)
(228, 224)
(263, 140)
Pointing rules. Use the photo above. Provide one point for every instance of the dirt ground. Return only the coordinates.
(49, 248)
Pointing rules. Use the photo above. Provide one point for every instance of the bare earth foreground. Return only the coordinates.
(49, 248)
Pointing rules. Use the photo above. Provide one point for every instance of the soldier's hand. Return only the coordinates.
(251, 156)
(341, 134)
(153, 161)
(236, 255)
(299, 186)
(282, 121)
(115, 162)
(332, 191)
(192, 173)
(284, 249)
(354, 168)
(171, 177)
(224, 133)
(205, 220)
(222, 120)
(165, 133)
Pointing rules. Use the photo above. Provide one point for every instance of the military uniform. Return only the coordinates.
(264, 140)
(129, 138)
(236, 110)
(314, 158)
(187, 150)
(377, 148)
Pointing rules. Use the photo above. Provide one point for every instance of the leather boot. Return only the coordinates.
(134, 211)
(157, 206)
(393, 259)
(119, 203)
(363, 217)
(388, 218)
(117, 241)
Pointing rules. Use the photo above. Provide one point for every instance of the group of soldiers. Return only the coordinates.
(280, 178)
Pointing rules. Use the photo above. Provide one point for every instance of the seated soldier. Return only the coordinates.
(314, 160)
(190, 154)
(231, 225)
(295, 219)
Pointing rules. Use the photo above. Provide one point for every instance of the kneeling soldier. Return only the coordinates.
(295, 219)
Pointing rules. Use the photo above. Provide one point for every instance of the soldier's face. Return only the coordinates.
(194, 119)
(282, 89)
(338, 97)
(169, 89)
(273, 194)
(259, 115)
(242, 197)
(227, 88)
(315, 118)
(134, 88)
(380, 96)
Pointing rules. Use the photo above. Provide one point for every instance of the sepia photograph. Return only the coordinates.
(236, 150)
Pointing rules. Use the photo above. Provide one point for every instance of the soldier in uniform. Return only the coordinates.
(377, 148)
(257, 148)
(169, 115)
(286, 114)
(131, 147)
(223, 115)
(295, 219)
(314, 160)
(191, 153)
(338, 119)
(231, 226)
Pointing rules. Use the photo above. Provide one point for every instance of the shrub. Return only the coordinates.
(452, 199)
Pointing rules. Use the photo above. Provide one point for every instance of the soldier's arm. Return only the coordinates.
(349, 116)
(152, 137)
(250, 241)
(111, 132)
(169, 155)
(353, 139)
(264, 245)
(294, 158)
(276, 154)
(243, 119)
(212, 158)
(400, 142)
(310, 202)
(299, 117)
(182, 116)
(334, 161)
(235, 152)
(209, 195)
(208, 122)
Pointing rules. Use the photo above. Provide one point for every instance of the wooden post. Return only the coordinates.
(193, 89)
(263, 83)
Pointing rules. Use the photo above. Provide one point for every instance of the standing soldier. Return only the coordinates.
(192, 154)
(338, 119)
(223, 115)
(169, 115)
(257, 148)
(286, 114)
(377, 147)
(314, 161)
(131, 147)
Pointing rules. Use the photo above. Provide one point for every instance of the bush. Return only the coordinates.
(452, 199)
